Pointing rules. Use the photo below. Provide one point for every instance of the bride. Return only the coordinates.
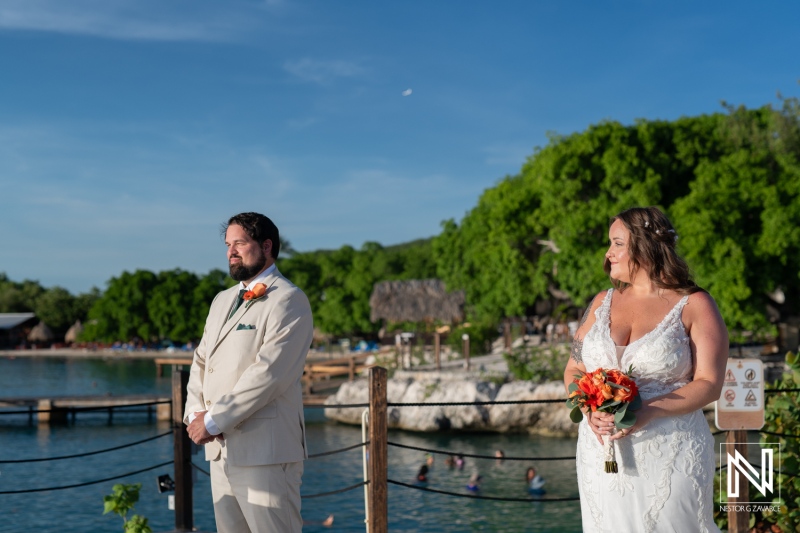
(658, 320)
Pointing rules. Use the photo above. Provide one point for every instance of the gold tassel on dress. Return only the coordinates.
(611, 459)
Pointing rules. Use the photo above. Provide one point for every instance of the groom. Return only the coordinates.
(244, 400)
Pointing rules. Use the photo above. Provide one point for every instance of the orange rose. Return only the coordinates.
(258, 291)
(606, 391)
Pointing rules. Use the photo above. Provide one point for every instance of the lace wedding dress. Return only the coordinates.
(666, 469)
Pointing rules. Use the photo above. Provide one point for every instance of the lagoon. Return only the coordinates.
(79, 510)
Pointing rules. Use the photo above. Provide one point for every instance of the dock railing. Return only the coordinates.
(377, 464)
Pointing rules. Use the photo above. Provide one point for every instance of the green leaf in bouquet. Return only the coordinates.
(576, 415)
(573, 402)
(573, 387)
(626, 420)
(608, 406)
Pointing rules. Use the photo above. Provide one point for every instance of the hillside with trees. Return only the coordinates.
(534, 243)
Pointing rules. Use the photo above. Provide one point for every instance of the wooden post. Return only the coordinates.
(738, 516)
(465, 339)
(378, 452)
(507, 333)
(184, 519)
(437, 350)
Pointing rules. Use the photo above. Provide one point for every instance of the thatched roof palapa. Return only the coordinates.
(73, 332)
(416, 301)
(40, 333)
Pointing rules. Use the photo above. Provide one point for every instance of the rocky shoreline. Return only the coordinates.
(550, 419)
(449, 387)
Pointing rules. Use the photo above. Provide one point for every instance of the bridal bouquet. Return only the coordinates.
(609, 391)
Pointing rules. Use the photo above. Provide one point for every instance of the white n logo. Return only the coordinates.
(741, 465)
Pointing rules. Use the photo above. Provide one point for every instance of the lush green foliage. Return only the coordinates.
(538, 363)
(170, 305)
(782, 415)
(121, 501)
(339, 283)
(55, 306)
(730, 183)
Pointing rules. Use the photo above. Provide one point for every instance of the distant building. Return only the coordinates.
(14, 328)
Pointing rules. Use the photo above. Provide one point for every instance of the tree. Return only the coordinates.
(170, 305)
(121, 313)
(730, 183)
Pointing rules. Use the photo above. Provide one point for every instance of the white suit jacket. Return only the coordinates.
(246, 371)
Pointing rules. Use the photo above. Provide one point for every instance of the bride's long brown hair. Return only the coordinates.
(652, 243)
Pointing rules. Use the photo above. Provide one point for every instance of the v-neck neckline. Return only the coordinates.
(637, 341)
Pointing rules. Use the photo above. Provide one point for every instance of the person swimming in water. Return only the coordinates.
(422, 475)
(535, 481)
(474, 484)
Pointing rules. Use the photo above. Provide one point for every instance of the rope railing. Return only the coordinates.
(475, 403)
(782, 435)
(200, 469)
(336, 406)
(85, 454)
(481, 497)
(87, 483)
(475, 456)
(332, 452)
(331, 492)
(308, 496)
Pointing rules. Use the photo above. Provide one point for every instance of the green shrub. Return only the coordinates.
(538, 363)
(122, 500)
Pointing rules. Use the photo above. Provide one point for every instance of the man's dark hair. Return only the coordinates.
(259, 228)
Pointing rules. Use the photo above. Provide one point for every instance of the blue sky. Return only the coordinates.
(130, 129)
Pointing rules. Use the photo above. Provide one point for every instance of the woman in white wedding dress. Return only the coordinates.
(658, 320)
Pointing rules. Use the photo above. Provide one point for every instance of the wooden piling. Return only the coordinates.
(378, 452)
(738, 516)
(465, 340)
(182, 446)
(437, 350)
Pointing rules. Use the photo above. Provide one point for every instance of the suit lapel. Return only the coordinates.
(235, 320)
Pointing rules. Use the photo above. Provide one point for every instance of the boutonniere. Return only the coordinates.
(259, 291)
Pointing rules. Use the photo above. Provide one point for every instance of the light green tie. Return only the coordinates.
(239, 300)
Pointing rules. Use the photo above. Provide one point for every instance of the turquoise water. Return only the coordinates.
(79, 510)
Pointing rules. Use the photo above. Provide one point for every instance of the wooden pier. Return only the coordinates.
(60, 409)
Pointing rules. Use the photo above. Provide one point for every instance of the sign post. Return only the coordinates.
(739, 408)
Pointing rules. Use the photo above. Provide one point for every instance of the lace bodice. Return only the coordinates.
(666, 468)
(661, 359)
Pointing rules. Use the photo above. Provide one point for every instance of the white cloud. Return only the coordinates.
(322, 72)
(128, 19)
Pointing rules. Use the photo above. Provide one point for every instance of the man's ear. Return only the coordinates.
(266, 247)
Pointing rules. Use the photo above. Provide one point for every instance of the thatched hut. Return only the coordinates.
(40, 333)
(416, 300)
(73, 332)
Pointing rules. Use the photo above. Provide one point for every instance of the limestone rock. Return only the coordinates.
(418, 388)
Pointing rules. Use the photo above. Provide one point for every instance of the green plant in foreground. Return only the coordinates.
(122, 500)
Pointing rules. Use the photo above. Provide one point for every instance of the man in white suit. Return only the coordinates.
(245, 400)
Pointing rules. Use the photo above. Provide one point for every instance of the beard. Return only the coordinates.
(243, 272)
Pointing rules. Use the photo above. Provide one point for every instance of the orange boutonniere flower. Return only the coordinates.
(257, 292)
